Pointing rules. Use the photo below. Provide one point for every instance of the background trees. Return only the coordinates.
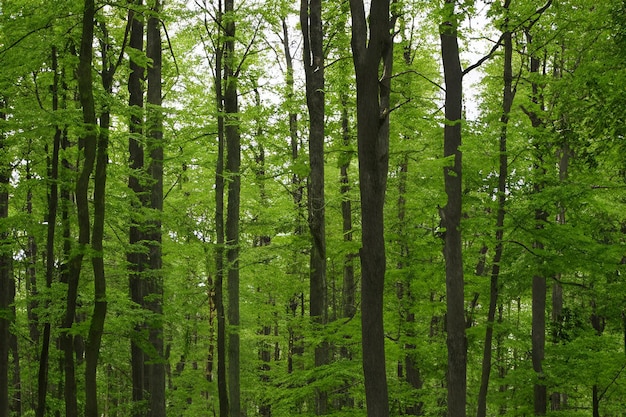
(175, 154)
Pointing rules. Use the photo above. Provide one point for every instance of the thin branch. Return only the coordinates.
(421, 75)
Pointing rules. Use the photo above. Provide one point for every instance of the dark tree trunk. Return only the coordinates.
(233, 162)
(539, 289)
(219, 228)
(313, 58)
(136, 257)
(349, 285)
(94, 339)
(7, 284)
(297, 191)
(155, 366)
(87, 144)
(53, 201)
(373, 109)
(451, 217)
(507, 102)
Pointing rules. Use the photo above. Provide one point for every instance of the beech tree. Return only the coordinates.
(156, 149)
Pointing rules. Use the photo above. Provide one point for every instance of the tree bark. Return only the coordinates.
(155, 366)
(136, 257)
(313, 58)
(233, 162)
(539, 281)
(451, 216)
(6, 279)
(373, 151)
(53, 202)
(507, 102)
(87, 144)
(219, 226)
(96, 328)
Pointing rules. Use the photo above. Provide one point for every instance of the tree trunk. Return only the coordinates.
(136, 257)
(233, 162)
(155, 366)
(373, 151)
(297, 192)
(507, 102)
(539, 281)
(313, 58)
(53, 201)
(6, 278)
(87, 144)
(219, 228)
(94, 339)
(451, 217)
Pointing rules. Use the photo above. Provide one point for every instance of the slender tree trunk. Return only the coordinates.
(451, 217)
(507, 102)
(53, 201)
(6, 278)
(136, 257)
(539, 281)
(373, 109)
(297, 191)
(219, 228)
(313, 54)
(92, 347)
(155, 366)
(87, 144)
(233, 162)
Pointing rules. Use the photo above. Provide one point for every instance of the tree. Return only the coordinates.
(451, 215)
(313, 52)
(7, 285)
(232, 172)
(373, 108)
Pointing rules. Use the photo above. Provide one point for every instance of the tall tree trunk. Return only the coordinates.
(349, 285)
(6, 272)
(155, 366)
(297, 190)
(451, 216)
(313, 57)
(219, 227)
(87, 144)
(507, 102)
(233, 162)
(539, 281)
(96, 328)
(136, 257)
(373, 90)
(53, 201)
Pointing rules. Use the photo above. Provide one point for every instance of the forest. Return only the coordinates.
(346, 208)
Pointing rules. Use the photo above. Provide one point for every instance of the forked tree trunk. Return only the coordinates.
(451, 216)
(373, 90)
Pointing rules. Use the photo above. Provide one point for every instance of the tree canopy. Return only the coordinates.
(345, 208)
